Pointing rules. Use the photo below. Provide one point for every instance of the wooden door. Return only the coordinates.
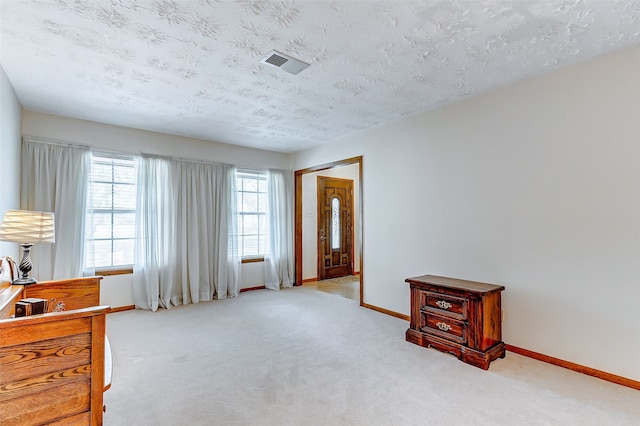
(335, 227)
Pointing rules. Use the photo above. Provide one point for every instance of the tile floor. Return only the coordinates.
(348, 287)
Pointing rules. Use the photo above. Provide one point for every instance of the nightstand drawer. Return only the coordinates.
(443, 304)
(445, 327)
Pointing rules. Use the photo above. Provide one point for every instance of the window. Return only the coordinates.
(253, 233)
(335, 224)
(111, 216)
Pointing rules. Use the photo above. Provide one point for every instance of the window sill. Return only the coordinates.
(129, 270)
(115, 271)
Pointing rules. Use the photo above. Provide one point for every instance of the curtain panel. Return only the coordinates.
(186, 249)
(278, 263)
(54, 179)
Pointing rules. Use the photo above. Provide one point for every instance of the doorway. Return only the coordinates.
(303, 214)
(335, 227)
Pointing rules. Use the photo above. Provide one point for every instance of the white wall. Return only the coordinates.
(10, 116)
(133, 141)
(310, 217)
(117, 290)
(535, 186)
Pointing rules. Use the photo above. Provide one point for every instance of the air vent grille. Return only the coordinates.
(276, 60)
(284, 62)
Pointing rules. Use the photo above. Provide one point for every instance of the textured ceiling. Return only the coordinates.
(193, 68)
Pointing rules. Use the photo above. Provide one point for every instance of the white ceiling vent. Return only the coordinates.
(285, 62)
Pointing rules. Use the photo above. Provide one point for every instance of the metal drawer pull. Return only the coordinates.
(443, 304)
(442, 326)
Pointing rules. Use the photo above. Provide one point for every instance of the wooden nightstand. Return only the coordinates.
(460, 317)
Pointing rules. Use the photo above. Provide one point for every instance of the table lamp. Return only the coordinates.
(27, 227)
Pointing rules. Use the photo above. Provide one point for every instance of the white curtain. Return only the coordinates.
(278, 262)
(154, 257)
(54, 179)
(186, 250)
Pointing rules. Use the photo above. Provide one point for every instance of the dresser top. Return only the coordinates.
(454, 283)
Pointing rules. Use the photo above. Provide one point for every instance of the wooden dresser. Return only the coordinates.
(74, 293)
(52, 366)
(460, 317)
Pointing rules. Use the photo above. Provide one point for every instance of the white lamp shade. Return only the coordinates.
(26, 226)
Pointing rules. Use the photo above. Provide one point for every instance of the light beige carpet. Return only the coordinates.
(304, 357)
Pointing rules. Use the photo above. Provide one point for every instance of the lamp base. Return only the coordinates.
(24, 281)
(25, 266)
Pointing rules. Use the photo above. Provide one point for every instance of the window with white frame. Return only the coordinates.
(111, 212)
(253, 232)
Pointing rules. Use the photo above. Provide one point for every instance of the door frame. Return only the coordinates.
(298, 215)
